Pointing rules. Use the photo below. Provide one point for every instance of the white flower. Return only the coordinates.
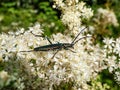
(72, 12)
(109, 43)
(66, 66)
(108, 16)
(4, 75)
(117, 46)
(117, 76)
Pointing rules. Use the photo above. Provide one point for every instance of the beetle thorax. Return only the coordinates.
(67, 45)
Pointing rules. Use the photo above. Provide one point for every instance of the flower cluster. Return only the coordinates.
(72, 13)
(37, 70)
(112, 50)
(108, 15)
(65, 67)
(102, 20)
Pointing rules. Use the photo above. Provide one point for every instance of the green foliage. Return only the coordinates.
(49, 19)
(107, 78)
(104, 81)
(64, 86)
(110, 30)
(11, 83)
(17, 14)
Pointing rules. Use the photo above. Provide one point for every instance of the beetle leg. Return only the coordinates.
(55, 54)
(66, 48)
(36, 35)
(42, 36)
(48, 40)
(71, 50)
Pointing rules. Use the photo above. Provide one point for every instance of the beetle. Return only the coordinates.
(57, 46)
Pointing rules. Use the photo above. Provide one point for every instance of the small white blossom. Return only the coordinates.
(4, 75)
(107, 16)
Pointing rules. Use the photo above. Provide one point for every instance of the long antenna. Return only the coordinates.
(78, 35)
(80, 39)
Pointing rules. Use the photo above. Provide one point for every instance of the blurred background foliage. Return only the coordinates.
(15, 14)
(112, 5)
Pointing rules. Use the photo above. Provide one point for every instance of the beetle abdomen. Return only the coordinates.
(48, 47)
